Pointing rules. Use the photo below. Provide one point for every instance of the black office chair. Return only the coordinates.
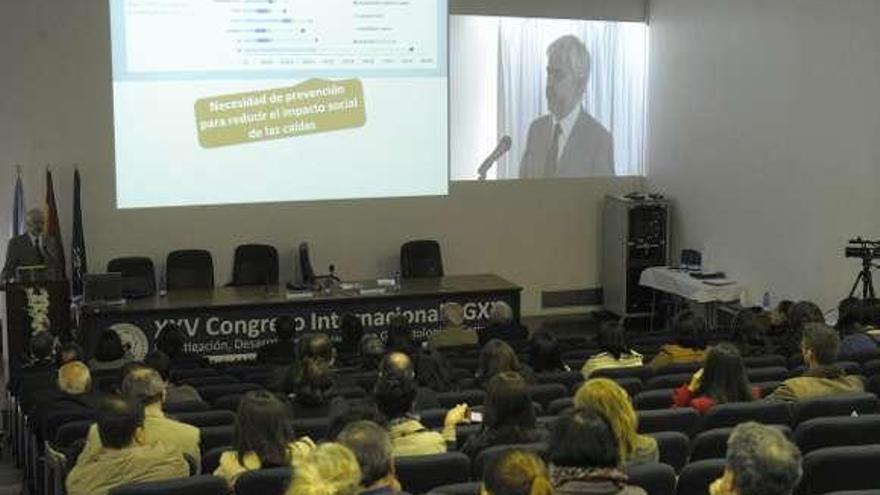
(189, 269)
(421, 259)
(836, 405)
(194, 485)
(653, 399)
(138, 276)
(768, 412)
(674, 448)
(255, 264)
(212, 392)
(421, 473)
(216, 436)
(819, 433)
(544, 394)
(264, 482)
(684, 420)
(206, 418)
(697, 476)
(670, 380)
(840, 468)
(656, 479)
(186, 406)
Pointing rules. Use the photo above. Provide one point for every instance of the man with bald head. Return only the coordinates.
(395, 393)
(567, 142)
(33, 248)
(73, 399)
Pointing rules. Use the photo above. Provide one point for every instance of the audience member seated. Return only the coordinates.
(616, 353)
(263, 438)
(855, 317)
(160, 362)
(607, 397)
(501, 325)
(453, 332)
(545, 354)
(110, 354)
(799, 314)
(722, 379)
(147, 387)
(73, 398)
(316, 346)
(394, 363)
(819, 346)
(584, 456)
(332, 469)
(497, 357)
(400, 337)
(353, 411)
(351, 330)
(283, 350)
(690, 342)
(760, 461)
(69, 352)
(310, 387)
(38, 371)
(508, 416)
(172, 341)
(434, 374)
(371, 445)
(395, 395)
(125, 456)
(372, 350)
(516, 472)
(750, 330)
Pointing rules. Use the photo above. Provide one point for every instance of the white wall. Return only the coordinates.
(765, 128)
(56, 108)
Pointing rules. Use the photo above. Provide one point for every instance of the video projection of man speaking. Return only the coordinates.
(546, 98)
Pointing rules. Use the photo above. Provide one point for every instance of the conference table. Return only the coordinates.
(228, 323)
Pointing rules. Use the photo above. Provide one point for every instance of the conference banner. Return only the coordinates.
(236, 332)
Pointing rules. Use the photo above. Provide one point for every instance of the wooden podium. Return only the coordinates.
(19, 299)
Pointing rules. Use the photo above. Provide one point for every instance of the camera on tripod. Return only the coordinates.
(867, 251)
(862, 248)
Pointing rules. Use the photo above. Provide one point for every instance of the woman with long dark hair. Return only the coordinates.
(722, 380)
(263, 438)
(584, 456)
(497, 357)
(508, 416)
(310, 387)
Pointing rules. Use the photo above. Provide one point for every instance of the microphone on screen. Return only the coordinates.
(499, 151)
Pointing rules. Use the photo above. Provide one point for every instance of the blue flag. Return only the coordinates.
(78, 265)
(18, 212)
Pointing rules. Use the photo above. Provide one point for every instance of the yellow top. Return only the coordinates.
(175, 435)
(605, 360)
(101, 471)
(230, 469)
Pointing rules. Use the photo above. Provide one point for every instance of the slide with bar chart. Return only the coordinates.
(240, 101)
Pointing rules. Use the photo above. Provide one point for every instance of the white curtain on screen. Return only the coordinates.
(615, 93)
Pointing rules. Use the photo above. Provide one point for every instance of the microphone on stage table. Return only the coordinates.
(499, 151)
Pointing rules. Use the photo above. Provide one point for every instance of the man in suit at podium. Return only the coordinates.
(33, 247)
(567, 142)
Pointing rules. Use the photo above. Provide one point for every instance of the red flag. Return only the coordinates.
(52, 226)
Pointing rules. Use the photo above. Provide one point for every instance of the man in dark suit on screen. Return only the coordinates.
(568, 142)
(32, 248)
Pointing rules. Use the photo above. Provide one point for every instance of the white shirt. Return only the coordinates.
(567, 124)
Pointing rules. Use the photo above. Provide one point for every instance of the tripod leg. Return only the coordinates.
(852, 291)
